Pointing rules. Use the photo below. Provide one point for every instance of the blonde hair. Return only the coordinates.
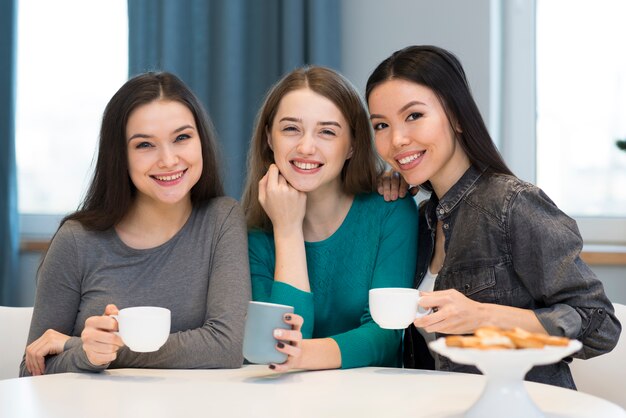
(359, 173)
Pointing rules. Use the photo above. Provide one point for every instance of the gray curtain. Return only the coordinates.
(9, 234)
(230, 52)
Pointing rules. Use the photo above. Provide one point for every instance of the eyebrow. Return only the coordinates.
(290, 119)
(146, 136)
(402, 109)
(298, 120)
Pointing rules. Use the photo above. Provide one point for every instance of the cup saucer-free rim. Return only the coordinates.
(150, 311)
(256, 302)
(397, 290)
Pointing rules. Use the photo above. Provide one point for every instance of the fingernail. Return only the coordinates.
(272, 366)
(280, 345)
(288, 317)
(278, 333)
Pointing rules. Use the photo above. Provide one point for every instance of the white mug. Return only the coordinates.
(395, 307)
(144, 328)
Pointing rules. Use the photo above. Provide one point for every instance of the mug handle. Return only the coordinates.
(419, 314)
(118, 324)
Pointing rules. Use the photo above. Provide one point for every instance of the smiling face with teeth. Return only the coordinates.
(310, 138)
(414, 135)
(164, 152)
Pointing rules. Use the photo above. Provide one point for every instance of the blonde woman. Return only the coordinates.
(319, 235)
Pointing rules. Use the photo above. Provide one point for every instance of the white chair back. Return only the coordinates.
(603, 376)
(14, 326)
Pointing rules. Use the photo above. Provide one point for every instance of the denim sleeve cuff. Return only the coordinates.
(561, 320)
(302, 303)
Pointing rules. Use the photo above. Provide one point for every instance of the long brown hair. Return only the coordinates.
(359, 173)
(111, 191)
(441, 71)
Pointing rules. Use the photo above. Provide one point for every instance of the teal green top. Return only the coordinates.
(375, 246)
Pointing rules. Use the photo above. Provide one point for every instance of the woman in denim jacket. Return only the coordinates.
(493, 249)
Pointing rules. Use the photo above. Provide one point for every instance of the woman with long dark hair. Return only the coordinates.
(153, 229)
(493, 249)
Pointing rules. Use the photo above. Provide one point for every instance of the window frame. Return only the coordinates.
(39, 227)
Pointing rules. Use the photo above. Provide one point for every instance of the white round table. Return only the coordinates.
(255, 391)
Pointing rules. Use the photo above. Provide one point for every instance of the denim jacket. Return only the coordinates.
(507, 243)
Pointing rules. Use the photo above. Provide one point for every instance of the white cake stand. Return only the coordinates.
(505, 394)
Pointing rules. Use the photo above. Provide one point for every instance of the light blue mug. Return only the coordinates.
(259, 344)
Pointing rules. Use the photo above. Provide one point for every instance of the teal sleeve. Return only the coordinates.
(369, 344)
(265, 289)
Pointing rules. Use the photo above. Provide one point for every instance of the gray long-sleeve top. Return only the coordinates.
(201, 274)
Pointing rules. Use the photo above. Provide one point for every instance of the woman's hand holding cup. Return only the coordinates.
(100, 340)
(456, 313)
(289, 343)
(273, 336)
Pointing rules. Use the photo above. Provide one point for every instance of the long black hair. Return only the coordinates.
(441, 72)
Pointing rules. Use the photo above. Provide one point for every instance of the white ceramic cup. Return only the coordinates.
(395, 307)
(144, 328)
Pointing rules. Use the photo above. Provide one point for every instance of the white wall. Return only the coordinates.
(373, 29)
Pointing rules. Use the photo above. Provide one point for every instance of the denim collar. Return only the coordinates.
(440, 208)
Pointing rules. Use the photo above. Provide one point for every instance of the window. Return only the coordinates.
(562, 86)
(72, 57)
(581, 105)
